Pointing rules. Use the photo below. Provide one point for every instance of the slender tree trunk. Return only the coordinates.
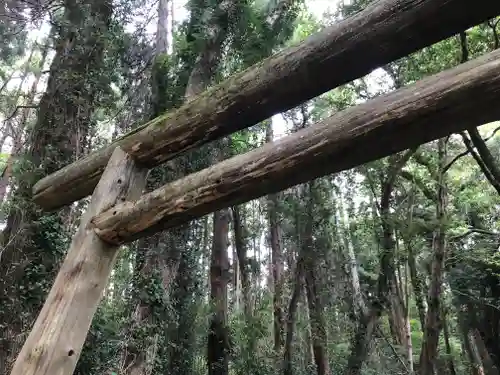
(14, 131)
(318, 330)
(478, 367)
(446, 334)
(308, 361)
(240, 243)
(218, 337)
(474, 358)
(236, 274)
(277, 263)
(478, 341)
(417, 285)
(162, 40)
(485, 154)
(291, 316)
(317, 321)
(343, 231)
(409, 348)
(397, 316)
(153, 256)
(361, 341)
(488, 364)
(18, 131)
(433, 322)
(368, 322)
(277, 268)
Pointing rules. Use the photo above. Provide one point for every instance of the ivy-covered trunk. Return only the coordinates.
(33, 241)
(167, 252)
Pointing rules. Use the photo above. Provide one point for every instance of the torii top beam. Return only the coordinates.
(431, 108)
(383, 32)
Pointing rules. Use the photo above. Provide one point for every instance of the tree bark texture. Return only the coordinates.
(433, 323)
(406, 118)
(292, 316)
(480, 162)
(313, 289)
(479, 336)
(383, 32)
(218, 336)
(277, 262)
(446, 334)
(417, 285)
(488, 160)
(277, 272)
(56, 139)
(240, 243)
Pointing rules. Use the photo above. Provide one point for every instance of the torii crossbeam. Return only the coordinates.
(385, 31)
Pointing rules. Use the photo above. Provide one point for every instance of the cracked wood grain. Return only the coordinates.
(435, 107)
(57, 337)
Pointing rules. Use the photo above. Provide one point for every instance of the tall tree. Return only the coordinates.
(33, 241)
(433, 323)
(275, 239)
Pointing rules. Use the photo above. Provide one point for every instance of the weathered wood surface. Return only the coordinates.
(385, 31)
(432, 108)
(54, 344)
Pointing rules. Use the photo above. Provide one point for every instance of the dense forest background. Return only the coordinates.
(392, 267)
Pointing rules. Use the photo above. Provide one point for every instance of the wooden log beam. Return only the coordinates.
(55, 342)
(383, 32)
(432, 108)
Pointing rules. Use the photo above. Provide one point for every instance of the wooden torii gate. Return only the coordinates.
(386, 30)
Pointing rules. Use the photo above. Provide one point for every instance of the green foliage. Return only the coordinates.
(252, 352)
(345, 211)
(254, 37)
(104, 336)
